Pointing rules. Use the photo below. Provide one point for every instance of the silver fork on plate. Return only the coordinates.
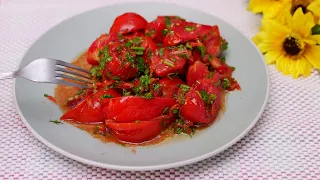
(46, 70)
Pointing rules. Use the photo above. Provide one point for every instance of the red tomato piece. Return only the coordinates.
(158, 28)
(168, 61)
(139, 131)
(196, 72)
(169, 86)
(212, 42)
(89, 111)
(131, 108)
(96, 46)
(195, 108)
(128, 22)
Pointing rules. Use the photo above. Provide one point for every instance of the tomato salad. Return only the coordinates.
(150, 77)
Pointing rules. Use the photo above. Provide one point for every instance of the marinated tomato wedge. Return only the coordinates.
(139, 131)
(169, 73)
(131, 108)
(128, 23)
(89, 110)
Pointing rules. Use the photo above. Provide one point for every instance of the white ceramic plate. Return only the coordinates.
(71, 37)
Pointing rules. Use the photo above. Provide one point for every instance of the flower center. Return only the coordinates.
(292, 46)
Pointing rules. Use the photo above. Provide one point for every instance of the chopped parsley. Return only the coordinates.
(208, 98)
(168, 63)
(107, 96)
(223, 59)
(190, 28)
(46, 95)
(165, 32)
(202, 50)
(210, 57)
(189, 46)
(125, 92)
(225, 83)
(138, 48)
(184, 88)
(147, 95)
(183, 55)
(165, 111)
(56, 121)
(175, 111)
(224, 46)
(150, 33)
(168, 22)
(128, 44)
(156, 86)
(145, 81)
(161, 51)
(140, 64)
(137, 40)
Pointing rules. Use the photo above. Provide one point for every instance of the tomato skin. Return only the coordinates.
(140, 131)
(89, 111)
(159, 66)
(96, 46)
(128, 22)
(131, 108)
(170, 87)
(195, 109)
(196, 72)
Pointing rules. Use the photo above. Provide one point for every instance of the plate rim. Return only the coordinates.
(153, 167)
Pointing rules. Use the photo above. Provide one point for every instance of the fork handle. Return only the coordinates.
(7, 75)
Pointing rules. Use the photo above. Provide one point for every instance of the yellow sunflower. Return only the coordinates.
(290, 46)
(281, 10)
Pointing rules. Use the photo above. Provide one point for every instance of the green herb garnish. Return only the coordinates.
(224, 46)
(190, 28)
(202, 50)
(208, 98)
(165, 110)
(167, 22)
(225, 83)
(168, 63)
(56, 121)
(150, 33)
(184, 88)
(223, 59)
(107, 96)
(46, 95)
(148, 95)
(156, 86)
(161, 51)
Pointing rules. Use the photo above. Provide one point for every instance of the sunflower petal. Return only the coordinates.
(316, 38)
(265, 47)
(313, 56)
(274, 27)
(302, 23)
(314, 7)
(272, 56)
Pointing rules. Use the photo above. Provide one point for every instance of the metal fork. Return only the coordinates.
(45, 70)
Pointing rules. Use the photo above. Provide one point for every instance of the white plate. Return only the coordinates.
(71, 37)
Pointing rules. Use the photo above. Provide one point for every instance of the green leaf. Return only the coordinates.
(223, 59)
(46, 95)
(316, 29)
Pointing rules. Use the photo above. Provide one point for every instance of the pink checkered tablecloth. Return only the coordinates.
(285, 143)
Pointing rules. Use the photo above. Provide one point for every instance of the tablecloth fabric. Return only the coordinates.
(283, 145)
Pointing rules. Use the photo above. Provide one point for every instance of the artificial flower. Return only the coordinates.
(291, 46)
(282, 10)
